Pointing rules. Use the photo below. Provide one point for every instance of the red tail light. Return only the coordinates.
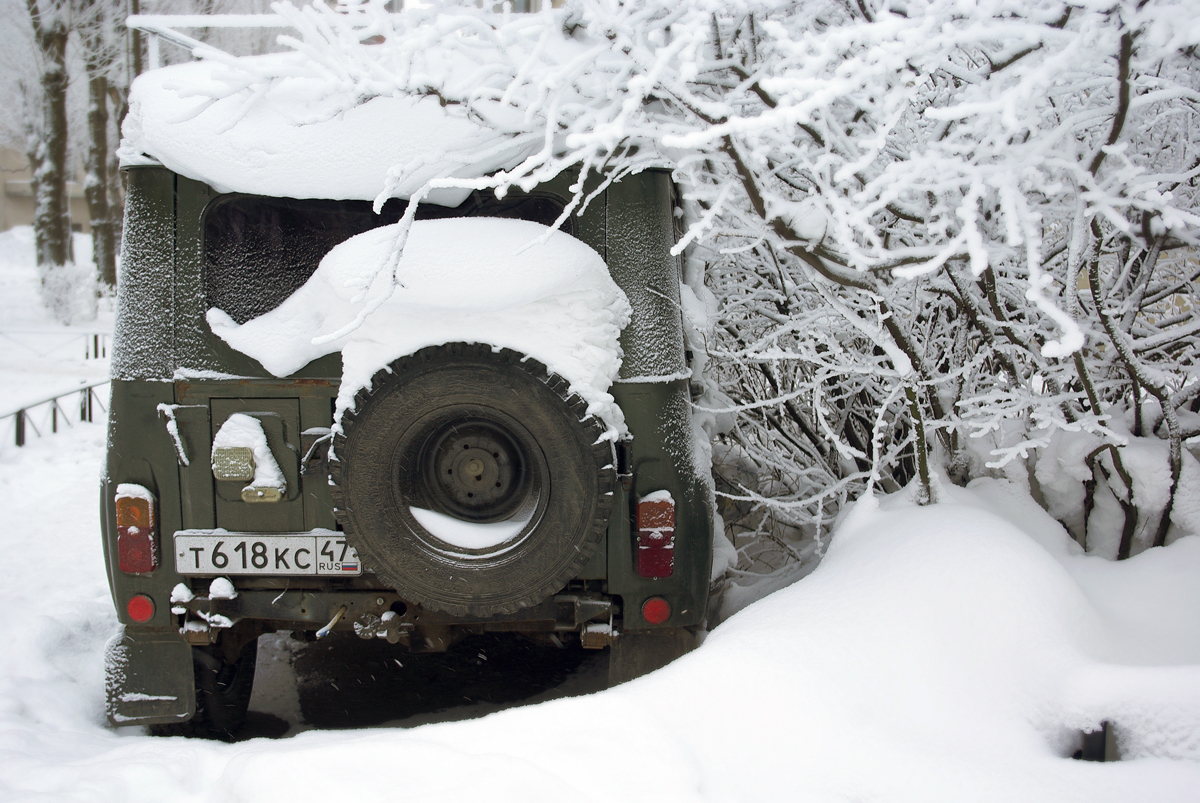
(140, 608)
(656, 610)
(137, 529)
(656, 535)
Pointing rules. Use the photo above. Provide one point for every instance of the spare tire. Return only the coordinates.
(471, 480)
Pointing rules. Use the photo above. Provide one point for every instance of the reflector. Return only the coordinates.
(140, 608)
(137, 530)
(656, 610)
(655, 555)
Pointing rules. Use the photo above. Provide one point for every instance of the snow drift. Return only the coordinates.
(945, 653)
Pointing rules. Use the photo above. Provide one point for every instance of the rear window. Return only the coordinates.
(259, 250)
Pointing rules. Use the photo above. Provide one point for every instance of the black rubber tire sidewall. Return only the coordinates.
(223, 690)
(501, 386)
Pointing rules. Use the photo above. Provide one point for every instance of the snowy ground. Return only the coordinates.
(949, 653)
(39, 357)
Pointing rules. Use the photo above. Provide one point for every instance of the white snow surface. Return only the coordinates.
(469, 534)
(295, 141)
(943, 653)
(658, 496)
(39, 356)
(134, 491)
(221, 588)
(505, 283)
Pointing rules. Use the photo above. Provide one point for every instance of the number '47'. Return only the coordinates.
(327, 552)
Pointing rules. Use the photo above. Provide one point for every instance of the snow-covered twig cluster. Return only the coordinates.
(971, 220)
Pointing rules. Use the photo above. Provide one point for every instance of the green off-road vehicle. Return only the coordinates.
(235, 504)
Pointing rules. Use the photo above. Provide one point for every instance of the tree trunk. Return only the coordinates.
(116, 200)
(136, 61)
(36, 154)
(51, 215)
(95, 186)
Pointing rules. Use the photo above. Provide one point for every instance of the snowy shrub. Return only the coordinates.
(69, 291)
(942, 238)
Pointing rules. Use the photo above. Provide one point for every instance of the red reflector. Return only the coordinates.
(137, 550)
(656, 536)
(140, 608)
(137, 530)
(656, 610)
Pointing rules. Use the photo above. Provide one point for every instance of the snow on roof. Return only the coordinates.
(469, 280)
(295, 140)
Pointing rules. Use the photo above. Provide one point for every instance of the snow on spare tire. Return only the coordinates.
(504, 324)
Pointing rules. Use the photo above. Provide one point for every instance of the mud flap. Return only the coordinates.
(640, 652)
(149, 679)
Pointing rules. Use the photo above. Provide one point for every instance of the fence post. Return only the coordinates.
(20, 421)
(54, 416)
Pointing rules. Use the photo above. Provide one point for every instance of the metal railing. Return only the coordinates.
(55, 344)
(52, 412)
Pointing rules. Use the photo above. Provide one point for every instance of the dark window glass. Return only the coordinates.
(258, 250)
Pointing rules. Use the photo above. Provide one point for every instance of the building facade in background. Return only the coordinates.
(16, 202)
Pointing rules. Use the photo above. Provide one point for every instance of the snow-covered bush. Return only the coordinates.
(942, 238)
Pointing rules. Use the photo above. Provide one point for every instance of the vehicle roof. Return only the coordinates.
(296, 138)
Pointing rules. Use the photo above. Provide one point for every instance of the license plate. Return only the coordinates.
(321, 552)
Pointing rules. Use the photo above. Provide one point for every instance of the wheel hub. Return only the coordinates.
(477, 471)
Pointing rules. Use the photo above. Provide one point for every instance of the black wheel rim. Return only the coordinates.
(476, 471)
(475, 465)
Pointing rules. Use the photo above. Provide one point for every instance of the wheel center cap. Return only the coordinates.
(476, 470)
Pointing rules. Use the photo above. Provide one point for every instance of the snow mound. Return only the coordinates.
(945, 653)
(507, 283)
(295, 140)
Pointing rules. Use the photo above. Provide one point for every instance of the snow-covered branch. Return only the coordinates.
(920, 194)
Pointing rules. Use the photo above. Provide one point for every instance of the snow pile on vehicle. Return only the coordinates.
(295, 140)
(506, 283)
(241, 431)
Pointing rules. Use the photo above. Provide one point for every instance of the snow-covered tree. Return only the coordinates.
(102, 45)
(47, 143)
(936, 238)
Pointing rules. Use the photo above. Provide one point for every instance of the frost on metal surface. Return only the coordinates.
(142, 340)
(648, 274)
(116, 662)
